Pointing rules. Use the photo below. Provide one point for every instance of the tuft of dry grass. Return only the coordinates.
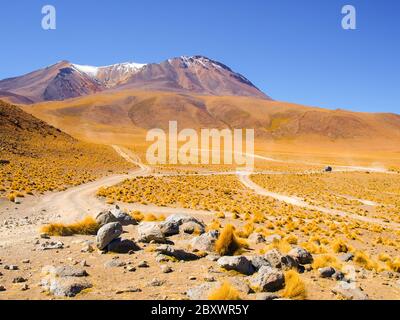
(87, 226)
(339, 246)
(225, 292)
(228, 243)
(326, 260)
(294, 286)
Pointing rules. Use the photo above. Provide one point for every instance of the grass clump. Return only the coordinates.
(326, 260)
(87, 226)
(225, 292)
(228, 243)
(294, 286)
(339, 246)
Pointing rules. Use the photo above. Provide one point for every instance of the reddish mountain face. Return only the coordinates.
(65, 80)
(196, 74)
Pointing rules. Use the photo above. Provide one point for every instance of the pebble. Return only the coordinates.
(166, 269)
(143, 264)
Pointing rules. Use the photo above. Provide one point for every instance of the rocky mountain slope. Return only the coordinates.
(65, 80)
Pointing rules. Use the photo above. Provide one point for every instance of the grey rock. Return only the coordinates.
(346, 257)
(274, 258)
(114, 263)
(2, 289)
(105, 217)
(288, 263)
(156, 283)
(200, 292)
(51, 245)
(264, 296)
(256, 238)
(108, 233)
(338, 276)
(150, 231)
(122, 217)
(191, 227)
(348, 292)
(237, 263)
(205, 242)
(326, 272)
(64, 281)
(268, 279)
(302, 256)
(171, 225)
(166, 269)
(258, 262)
(122, 246)
(143, 264)
(19, 280)
(176, 253)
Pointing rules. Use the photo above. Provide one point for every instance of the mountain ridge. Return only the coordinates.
(191, 74)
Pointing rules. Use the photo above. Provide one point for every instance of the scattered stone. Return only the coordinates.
(122, 217)
(131, 269)
(268, 280)
(24, 287)
(192, 278)
(2, 288)
(44, 236)
(326, 272)
(88, 248)
(114, 263)
(212, 257)
(162, 258)
(274, 258)
(128, 290)
(346, 257)
(122, 246)
(143, 264)
(176, 253)
(288, 263)
(256, 238)
(108, 233)
(11, 267)
(166, 268)
(105, 217)
(150, 231)
(349, 292)
(156, 283)
(209, 279)
(237, 263)
(338, 276)
(64, 281)
(264, 296)
(258, 262)
(205, 242)
(301, 255)
(171, 225)
(192, 227)
(84, 263)
(200, 292)
(19, 280)
(51, 245)
(26, 261)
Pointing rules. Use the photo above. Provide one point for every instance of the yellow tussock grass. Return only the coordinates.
(225, 292)
(87, 226)
(294, 286)
(326, 260)
(228, 243)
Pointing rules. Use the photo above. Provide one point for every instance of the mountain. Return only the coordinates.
(65, 80)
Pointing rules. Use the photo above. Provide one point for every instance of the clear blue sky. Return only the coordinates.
(294, 50)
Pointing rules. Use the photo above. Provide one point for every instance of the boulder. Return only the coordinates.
(258, 262)
(326, 272)
(346, 257)
(302, 256)
(150, 231)
(349, 291)
(288, 263)
(51, 245)
(64, 281)
(122, 217)
(192, 227)
(122, 246)
(171, 225)
(108, 233)
(237, 263)
(205, 242)
(105, 217)
(274, 258)
(267, 279)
